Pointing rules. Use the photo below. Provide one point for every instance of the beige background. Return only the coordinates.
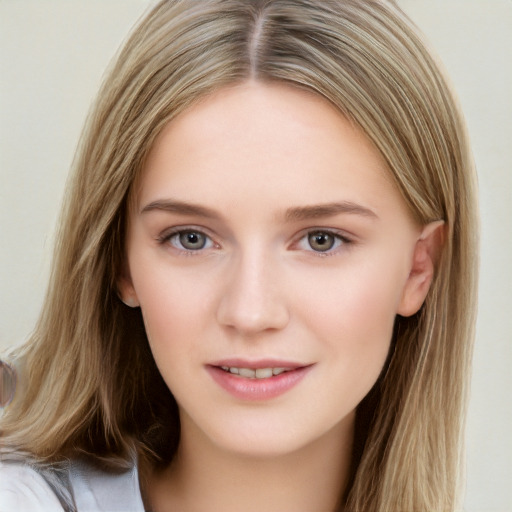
(52, 56)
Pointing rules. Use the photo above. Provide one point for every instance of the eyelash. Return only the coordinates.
(167, 236)
(340, 240)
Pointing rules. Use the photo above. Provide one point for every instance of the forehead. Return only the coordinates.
(264, 141)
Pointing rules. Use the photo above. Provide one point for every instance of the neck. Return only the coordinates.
(207, 478)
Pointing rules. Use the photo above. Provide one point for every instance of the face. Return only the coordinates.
(269, 253)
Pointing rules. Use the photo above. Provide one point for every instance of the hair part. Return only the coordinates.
(90, 385)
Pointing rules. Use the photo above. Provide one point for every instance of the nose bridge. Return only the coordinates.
(253, 299)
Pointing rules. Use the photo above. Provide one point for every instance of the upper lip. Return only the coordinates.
(259, 363)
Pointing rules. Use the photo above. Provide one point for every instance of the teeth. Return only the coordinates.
(247, 372)
(258, 373)
(263, 373)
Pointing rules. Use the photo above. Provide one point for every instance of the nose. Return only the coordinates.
(253, 299)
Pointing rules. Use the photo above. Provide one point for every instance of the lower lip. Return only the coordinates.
(257, 389)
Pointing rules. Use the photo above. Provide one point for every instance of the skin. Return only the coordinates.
(258, 157)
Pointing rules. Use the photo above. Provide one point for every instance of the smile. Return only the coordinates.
(255, 373)
(261, 382)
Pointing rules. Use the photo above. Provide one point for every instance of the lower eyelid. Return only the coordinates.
(167, 236)
(341, 240)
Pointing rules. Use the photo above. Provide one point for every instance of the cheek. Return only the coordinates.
(173, 314)
(172, 331)
(352, 315)
(361, 299)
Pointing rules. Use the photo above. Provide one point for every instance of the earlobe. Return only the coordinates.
(126, 291)
(131, 302)
(426, 253)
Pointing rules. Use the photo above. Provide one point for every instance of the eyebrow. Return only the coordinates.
(328, 210)
(180, 207)
(298, 213)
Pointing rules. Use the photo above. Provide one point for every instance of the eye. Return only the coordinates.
(322, 241)
(188, 240)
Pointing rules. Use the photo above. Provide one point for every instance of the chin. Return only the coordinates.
(262, 446)
(265, 436)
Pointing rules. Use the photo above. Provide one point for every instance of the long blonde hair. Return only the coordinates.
(88, 381)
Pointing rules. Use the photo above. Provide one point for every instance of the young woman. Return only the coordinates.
(264, 283)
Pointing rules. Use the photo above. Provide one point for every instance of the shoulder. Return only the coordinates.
(23, 489)
(99, 490)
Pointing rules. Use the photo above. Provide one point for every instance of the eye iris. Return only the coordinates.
(321, 241)
(192, 240)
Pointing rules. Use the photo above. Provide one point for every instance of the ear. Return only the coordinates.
(426, 253)
(126, 291)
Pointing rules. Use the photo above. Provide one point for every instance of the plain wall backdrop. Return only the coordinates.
(52, 57)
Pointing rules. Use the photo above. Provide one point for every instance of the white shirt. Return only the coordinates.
(22, 489)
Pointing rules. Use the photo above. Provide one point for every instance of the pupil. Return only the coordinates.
(321, 241)
(192, 240)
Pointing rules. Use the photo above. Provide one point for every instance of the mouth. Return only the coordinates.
(257, 381)
(255, 373)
